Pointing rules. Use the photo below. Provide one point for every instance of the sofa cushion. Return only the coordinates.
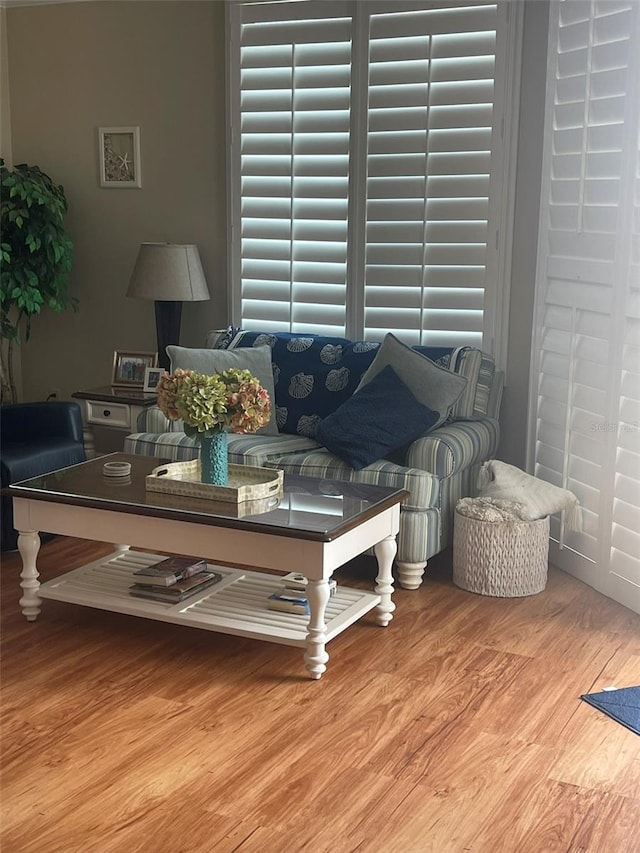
(244, 449)
(479, 369)
(433, 386)
(382, 416)
(313, 374)
(423, 489)
(208, 361)
(481, 397)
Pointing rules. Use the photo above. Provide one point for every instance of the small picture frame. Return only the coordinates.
(129, 368)
(151, 378)
(119, 152)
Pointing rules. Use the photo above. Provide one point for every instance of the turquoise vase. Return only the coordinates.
(214, 459)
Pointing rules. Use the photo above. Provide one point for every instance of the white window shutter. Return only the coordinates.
(625, 520)
(585, 421)
(366, 180)
(291, 143)
(430, 126)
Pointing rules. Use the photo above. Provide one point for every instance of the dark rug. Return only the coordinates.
(622, 705)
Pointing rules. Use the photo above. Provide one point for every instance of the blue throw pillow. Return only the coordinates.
(382, 416)
(313, 374)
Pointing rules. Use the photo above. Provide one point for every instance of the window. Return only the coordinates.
(585, 391)
(368, 162)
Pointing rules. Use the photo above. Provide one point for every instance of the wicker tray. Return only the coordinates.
(229, 509)
(245, 482)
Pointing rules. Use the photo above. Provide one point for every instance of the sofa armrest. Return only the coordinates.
(454, 447)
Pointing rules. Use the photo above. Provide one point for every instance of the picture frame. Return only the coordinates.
(129, 368)
(151, 378)
(119, 153)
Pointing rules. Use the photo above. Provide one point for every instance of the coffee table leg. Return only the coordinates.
(29, 545)
(316, 656)
(385, 552)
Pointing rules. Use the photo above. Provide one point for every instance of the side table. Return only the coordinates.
(113, 409)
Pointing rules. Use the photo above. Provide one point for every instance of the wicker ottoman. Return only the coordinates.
(506, 558)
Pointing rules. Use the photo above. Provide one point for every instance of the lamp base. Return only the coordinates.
(168, 318)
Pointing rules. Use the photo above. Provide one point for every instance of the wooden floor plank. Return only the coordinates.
(457, 729)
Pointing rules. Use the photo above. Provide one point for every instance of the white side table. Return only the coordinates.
(114, 409)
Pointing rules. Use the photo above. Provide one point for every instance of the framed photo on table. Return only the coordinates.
(129, 368)
(151, 378)
(119, 153)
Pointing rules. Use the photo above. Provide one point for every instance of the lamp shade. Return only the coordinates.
(168, 272)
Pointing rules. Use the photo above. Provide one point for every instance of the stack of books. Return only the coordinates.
(292, 598)
(173, 579)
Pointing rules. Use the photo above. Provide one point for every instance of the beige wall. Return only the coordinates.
(5, 114)
(75, 67)
(6, 154)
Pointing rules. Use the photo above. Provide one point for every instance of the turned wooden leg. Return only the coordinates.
(385, 551)
(410, 574)
(29, 545)
(316, 656)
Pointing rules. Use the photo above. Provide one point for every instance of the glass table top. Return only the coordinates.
(316, 508)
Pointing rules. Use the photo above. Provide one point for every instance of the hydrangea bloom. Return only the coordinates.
(233, 399)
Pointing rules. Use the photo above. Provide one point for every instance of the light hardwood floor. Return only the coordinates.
(457, 728)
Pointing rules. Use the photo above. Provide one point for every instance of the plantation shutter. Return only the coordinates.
(430, 125)
(586, 400)
(625, 531)
(367, 162)
(292, 129)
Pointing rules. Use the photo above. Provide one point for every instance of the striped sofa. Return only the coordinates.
(436, 470)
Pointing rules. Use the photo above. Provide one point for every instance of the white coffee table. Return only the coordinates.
(315, 527)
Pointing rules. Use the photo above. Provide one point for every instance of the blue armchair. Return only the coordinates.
(35, 438)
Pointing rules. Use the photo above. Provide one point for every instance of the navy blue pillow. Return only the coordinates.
(313, 374)
(382, 416)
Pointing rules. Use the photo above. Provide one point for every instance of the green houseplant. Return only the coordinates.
(36, 253)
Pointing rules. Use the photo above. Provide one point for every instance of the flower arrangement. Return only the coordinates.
(232, 399)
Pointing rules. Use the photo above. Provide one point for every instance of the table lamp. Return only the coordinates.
(170, 274)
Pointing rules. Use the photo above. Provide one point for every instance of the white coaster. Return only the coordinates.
(116, 469)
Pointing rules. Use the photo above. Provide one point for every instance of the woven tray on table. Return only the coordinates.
(505, 558)
(245, 482)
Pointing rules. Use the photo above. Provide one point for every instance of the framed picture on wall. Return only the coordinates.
(119, 153)
(129, 368)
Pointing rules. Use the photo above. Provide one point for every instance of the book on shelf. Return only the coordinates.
(169, 571)
(287, 604)
(295, 584)
(289, 596)
(295, 580)
(178, 591)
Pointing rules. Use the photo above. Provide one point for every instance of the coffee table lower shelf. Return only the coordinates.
(237, 605)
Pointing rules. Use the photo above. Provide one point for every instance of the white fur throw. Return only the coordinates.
(538, 498)
(491, 509)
